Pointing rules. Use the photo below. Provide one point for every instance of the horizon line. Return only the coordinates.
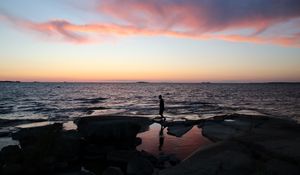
(170, 82)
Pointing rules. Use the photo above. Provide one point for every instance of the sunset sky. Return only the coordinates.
(150, 40)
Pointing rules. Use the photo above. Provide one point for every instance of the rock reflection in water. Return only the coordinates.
(157, 141)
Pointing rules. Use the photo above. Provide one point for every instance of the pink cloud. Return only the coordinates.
(194, 19)
(202, 15)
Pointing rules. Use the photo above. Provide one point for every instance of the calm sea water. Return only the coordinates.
(64, 101)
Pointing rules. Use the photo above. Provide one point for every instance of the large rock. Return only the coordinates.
(118, 131)
(37, 145)
(121, 156)
(10, 160)
(276, 166)
(57, 153)
(223, 128)
(113, 171)
(68, 145)
(12, 169)
(139, 166)
(223, 159)
(217, 131)
(276, 137)
(10, 154)
(49, 149)
(28, 136)
(247, 145)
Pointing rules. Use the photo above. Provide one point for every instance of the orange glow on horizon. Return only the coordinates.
(146, 75)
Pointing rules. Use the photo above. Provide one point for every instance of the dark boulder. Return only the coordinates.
(11, 169)
(31, 135)
(118, 131)
(68, 146)
(113, 171)
(11, 154)
(247, 145)
(122, 156)
(228, 127)
(139, 166)
(49, 149)
(10, 160)
(229, 158)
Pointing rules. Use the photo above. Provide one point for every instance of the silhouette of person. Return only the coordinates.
(161, 107)
(161, 137)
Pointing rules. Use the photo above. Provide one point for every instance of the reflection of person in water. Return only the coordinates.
(161, 107)
(161, 137)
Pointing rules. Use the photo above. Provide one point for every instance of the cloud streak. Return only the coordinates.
(203, 15)
(194, 19)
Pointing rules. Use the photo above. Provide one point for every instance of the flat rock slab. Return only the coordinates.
(117, 131)
(232, 158)
(36, 131)
(278, 138)
(143, 122)
(225, 129)
(227, 158)
(218, 132)
(247, 145)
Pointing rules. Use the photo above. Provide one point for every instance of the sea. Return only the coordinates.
(67, 101)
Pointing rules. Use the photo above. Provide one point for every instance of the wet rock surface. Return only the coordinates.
(245, 145)
(107, 145)
(99, 143)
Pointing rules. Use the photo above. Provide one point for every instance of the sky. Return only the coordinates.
(150, 40)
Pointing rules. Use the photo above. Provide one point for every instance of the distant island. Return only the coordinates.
(142, 82)
(283, 82)
(10, 81)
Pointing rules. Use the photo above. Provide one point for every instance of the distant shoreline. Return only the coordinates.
(10, 81)
(146, 82)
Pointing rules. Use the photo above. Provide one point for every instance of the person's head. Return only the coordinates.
(160, 97)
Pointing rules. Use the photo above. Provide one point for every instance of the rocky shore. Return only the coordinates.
(106, 145)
